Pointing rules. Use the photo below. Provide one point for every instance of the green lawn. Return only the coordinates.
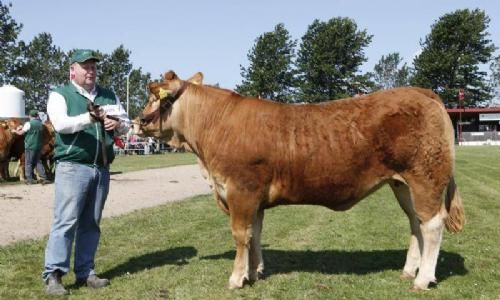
(128, 163)
(185, 250)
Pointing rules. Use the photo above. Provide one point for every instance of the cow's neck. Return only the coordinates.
(203, 112)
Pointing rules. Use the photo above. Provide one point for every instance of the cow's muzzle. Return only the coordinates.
(144, 120)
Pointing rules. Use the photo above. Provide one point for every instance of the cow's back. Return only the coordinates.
(332, 153)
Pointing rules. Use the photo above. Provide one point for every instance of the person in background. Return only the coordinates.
(32, 131)
(86, 117)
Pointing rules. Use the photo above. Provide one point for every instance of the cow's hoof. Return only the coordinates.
(235, 283)
(418, 288)
(423, 285)
(232, 287)
(406, 275)
(254, 276)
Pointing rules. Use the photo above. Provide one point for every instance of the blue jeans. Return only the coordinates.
(80, 194)
(32, 159)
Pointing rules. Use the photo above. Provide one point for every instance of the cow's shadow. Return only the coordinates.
(347, 262)
(174, 256)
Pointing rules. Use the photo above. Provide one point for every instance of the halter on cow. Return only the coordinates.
(258, 154)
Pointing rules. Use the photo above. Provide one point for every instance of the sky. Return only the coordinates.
(214, 37)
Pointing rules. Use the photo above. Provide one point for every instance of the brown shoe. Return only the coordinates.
(44, 181)
(93, 282)
(53, 284)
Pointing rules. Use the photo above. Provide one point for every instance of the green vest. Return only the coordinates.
(33, 137)
(84, 147)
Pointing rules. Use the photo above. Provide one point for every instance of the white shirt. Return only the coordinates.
(26, 127)
(58, 113)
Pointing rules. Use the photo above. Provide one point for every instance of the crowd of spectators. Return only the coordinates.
(133, 144)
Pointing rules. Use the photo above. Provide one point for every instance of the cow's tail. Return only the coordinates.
(455, 220)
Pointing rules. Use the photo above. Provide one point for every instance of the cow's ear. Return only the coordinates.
(170, 75)
(196, 78)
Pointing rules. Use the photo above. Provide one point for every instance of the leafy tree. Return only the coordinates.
(452, 54)
(39, 70)
(114, 70)
(9, 30)
(138, 92)
(270, 73)
(329, 58)
(495, 77)
(387, 73)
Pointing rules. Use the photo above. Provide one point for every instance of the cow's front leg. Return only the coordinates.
(256, 260)
(243, 207)
(242, 234)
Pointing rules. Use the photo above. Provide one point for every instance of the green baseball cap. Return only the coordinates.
(82, 55)
(33, 113)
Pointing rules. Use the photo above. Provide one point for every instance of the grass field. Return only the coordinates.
(128, 163)
(185, 250)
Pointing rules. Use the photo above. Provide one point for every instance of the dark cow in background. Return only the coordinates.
(47, 151)
(258, 154)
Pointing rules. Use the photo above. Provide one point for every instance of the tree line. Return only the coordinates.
(325, 64)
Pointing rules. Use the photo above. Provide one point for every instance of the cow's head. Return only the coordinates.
(13, 123)
(159, 116)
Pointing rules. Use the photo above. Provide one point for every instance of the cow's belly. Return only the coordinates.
(334, 195)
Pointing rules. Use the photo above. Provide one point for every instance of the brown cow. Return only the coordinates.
(8, 141)
(259, 154)
(5, 145)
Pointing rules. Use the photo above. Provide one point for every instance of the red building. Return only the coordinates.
(476, 126)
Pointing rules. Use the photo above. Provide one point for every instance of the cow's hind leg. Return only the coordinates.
(402, 193)
(432, 231)
(256, 260)
(427, 228)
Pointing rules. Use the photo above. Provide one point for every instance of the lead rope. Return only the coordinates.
(103, 145)
(161, 119)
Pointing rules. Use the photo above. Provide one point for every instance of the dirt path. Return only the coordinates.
(26, 211)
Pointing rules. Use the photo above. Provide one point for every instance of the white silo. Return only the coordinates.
(12, 104)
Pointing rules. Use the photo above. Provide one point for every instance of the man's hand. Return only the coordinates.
(110, 124)
(97, 114)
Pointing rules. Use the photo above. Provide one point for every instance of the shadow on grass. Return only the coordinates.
(174, 256)
(347, 262)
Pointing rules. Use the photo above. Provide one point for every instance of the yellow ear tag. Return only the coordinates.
(163, 93)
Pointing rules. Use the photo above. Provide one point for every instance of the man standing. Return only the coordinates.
(32, 131)
(85, 117)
